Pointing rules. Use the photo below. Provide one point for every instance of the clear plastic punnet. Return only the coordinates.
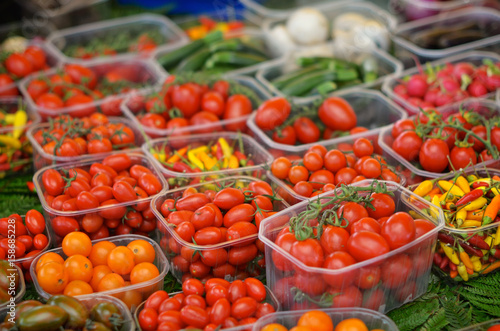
(373, 110)
(243, 143)
(175, 247)
(270, 298)
(289, 319)
(406, 50)
(385, 65)
(141, 71)
(90, 301)
(51, 58)
(144, 289)
(474, 57)
(42, 159)
(417, 9)
(166, 31)
(20, 291)
(280, 9)
(53, 216)
(299, 286)
(130, 110)
(488, 108)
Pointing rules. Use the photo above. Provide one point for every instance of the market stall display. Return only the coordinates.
(243, 171)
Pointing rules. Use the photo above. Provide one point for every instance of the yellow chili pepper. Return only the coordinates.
(160, 157)
(10, 141)
(451, 188)
(208, 162)
(462, 271)
(424, 188)
(226, 149)
(20, 119)
(461, 216)
(198, 150)
(471, 178)
(496, 241)
(177, 156)
(463, 184)
(470, 224)
(495, 191)
(477, 265)
(9, 118)
(489, 241)
(194, 160)
(450, 253)
(435, 200)
(476, 204)
(233, 162)
(448, 196)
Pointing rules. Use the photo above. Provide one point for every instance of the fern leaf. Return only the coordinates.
(437, 322)
(458, 314)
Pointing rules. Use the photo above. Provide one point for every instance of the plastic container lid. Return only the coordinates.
(477, 14)
(83, 34)
(146, 71)
(373, 110)
(42, 158)
(150, 286)
(281, 281)
(473, 57)
(245, 81)
(478, 105)
(289, 319)
(253, 151)
(386, 64)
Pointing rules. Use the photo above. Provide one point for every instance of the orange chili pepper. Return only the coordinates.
(476, 215)
(491, 267)
(453, 273)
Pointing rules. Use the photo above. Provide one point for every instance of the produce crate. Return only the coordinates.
(144, 289)
(11, 105)
(289, 319)
(271, 299)
(461, 237)
(21, 290)
(295, 282)
(386, 64)
(143, 71)
(332, 10)
(374, 111)
(484, 107)
(42, 159)
(474, 57)
(53, 215)
(405, 50)
(172, 243)
(252, 150)
(82, 35)
(52, 60)
(128, 108)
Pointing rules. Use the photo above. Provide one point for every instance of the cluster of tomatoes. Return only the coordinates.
(30, 237)
(212, 218)
(102, 266)
(321, 170)
(320, 321)
(78, 85)
(335, 114)
(93, 134)
(19, 65)
(194, 104)
(352, 230)
(452, 83)
(217, 304)
(437, 143)
(108, 188)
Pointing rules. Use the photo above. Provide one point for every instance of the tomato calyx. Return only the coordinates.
(324, 301)
(67, 179)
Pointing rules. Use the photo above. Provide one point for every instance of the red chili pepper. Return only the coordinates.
(497, 219)
(437, 259)
(250, 163)
(240, 156)
(219, 154)
(478, 242)
(447, 239)
(31, 186)
(181, 167)
(3, 158)
(470, 250)
(491, 259)
(452, 265)
(4, 166)
(480, 184)
(495, 252)
(469, 197)
(444, 263)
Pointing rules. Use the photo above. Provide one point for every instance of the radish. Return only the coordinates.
(477, 88)
(493, 82)
(417, 86)
(431, 95)
(460, 95)
(449, 84)
(446, 71)
(462, 68)
(443, 98)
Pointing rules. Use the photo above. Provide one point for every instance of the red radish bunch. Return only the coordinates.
(449, 84)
